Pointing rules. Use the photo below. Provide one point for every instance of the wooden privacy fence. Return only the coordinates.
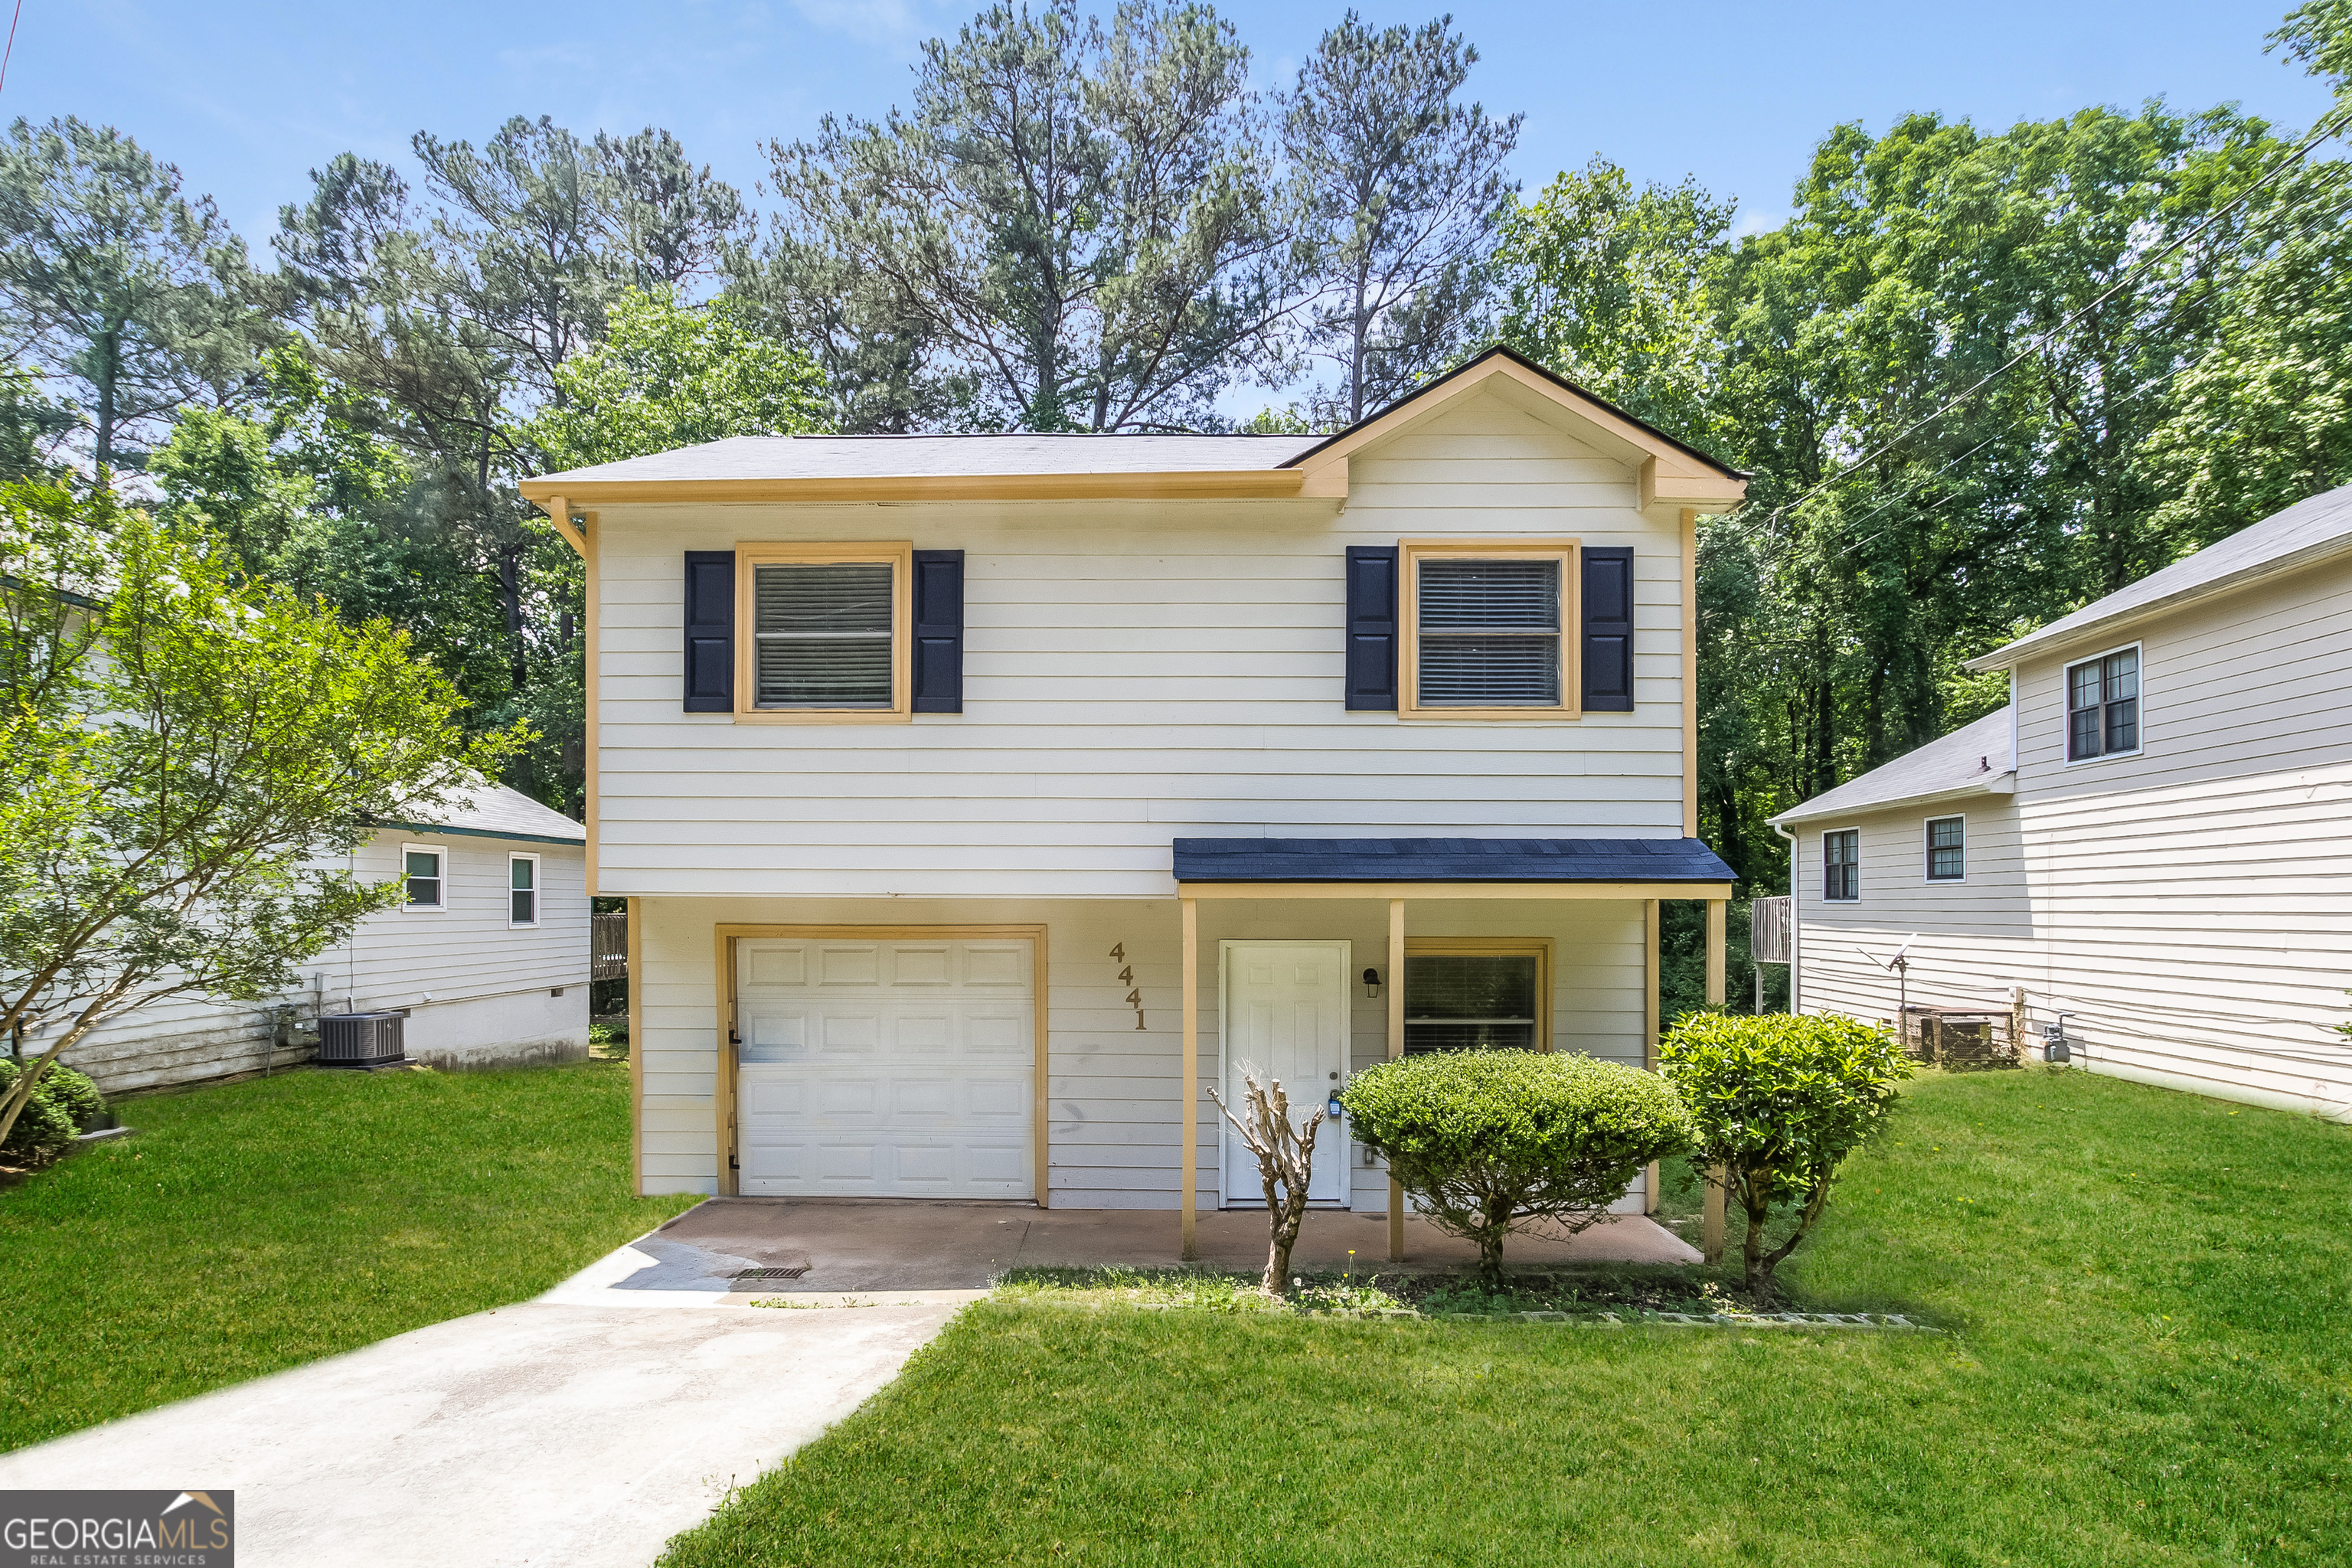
(608, 946)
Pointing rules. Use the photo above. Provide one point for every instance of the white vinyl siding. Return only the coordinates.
(472, 980)
(1134, 671)
(2185, 905)
(1113, 1099)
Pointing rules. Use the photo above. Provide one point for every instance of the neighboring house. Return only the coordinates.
(979, 800)
(2154, 837)
(487, 956)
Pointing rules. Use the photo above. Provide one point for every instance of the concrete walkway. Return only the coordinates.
(898, 1248)
(539, 1434)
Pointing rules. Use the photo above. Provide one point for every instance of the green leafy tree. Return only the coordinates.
(1490, 1141)
(1622, 291)
(186, 748)
(32, 428)
(1079, 219)
(1778, 1102)
(141, 299)
(1402, 193)
(670, 375)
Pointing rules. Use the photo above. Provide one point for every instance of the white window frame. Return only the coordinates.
(1928, 852)
(1823, 865)
(2066, 714)
(440, 877)
(537, 890)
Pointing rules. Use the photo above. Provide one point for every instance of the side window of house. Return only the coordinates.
(1947, 848)
(1841, 864)
(522, 890)
(1488, 633)
(2103, 706)
(425, 880)
(1473, 1001)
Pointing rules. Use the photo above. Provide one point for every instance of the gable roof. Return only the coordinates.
(1972, 760)
(1028, 467)
(495, 811)
(2309, 531)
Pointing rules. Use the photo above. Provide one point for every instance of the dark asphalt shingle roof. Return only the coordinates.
(1972, 757)
(1447, 860)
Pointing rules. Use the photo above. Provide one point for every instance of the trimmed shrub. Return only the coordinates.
(1488, 1141)
(64, 1104)
(1780, 1101)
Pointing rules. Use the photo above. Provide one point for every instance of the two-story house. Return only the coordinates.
(2153, 838)
(981, 800)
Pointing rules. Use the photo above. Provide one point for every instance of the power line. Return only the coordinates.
(2319, 133)
(10, 51)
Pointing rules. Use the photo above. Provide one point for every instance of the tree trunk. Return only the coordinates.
(1286, 1161)
(110, 352)
(510, 589)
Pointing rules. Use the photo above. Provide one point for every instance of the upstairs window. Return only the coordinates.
(1486, 635)
(1473, 996)
(1947, 848)
(829, 631)
(2103, 706)
(522, 890)
(1841, 866)
(423, 868)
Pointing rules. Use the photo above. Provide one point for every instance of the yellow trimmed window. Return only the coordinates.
(1489, 630)
(826, 632)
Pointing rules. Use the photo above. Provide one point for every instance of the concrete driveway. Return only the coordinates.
(542, 1433)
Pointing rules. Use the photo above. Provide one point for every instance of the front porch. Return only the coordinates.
(1441, 900)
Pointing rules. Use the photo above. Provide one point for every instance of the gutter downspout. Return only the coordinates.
(1796, 924)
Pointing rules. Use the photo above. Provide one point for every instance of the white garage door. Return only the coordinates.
(899, 1070)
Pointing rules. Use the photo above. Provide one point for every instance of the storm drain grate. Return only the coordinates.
(754, 1275)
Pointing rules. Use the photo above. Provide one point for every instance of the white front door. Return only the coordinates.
(1285, 1011)
(899, 1068)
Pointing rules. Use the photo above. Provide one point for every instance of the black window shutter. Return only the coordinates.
(1608, 629)
(710, 631)
(1373, 627)
(938, 631)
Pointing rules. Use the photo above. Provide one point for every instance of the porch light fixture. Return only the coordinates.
(1372, 983)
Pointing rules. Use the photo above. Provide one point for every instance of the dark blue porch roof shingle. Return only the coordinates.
(1447, 860)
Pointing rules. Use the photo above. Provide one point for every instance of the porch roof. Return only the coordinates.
(1327, 860)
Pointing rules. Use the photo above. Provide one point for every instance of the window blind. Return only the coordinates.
(822, 635)
(1459, 1002)
(1488, 633)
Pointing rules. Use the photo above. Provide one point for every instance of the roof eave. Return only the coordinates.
(2003, 782)
(1216, 484)
(2034, 645)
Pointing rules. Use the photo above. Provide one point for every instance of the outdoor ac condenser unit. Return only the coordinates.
(361, 1039)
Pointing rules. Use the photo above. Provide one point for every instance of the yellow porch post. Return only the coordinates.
(1396, 1049)
(1650, 1022)
(1711, 1220)
(1188, 1087)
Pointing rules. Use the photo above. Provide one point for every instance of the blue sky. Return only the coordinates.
(247, 98)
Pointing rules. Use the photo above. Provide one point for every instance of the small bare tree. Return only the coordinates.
(1285, 1158)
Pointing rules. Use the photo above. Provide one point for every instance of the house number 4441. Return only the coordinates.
(1126, 978)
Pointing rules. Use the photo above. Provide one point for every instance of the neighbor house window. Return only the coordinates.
(1841, 864)
(2103, 706)
(1947, 849)
(522, 890)
(424, 870)
(829, 631)
(1475, 995)
(1487, 632)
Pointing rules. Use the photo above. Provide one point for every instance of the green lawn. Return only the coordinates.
(256, 1224)
(2150, 1361)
